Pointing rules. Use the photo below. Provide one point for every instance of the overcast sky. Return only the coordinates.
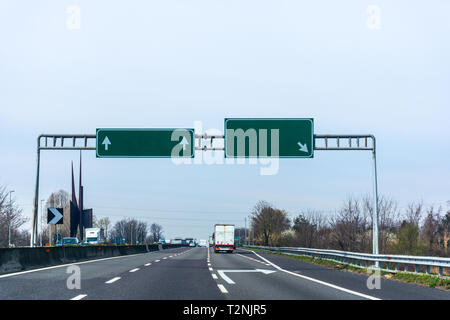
(379, 67)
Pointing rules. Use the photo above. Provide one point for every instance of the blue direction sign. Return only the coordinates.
(55, 215)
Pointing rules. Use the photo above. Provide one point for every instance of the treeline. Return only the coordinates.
(135, 231)
(415, 230)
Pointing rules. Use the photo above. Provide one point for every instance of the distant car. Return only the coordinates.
(191, 244)
(69, 241)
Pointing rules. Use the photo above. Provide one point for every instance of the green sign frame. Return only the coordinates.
(295, 137)
(144, 142)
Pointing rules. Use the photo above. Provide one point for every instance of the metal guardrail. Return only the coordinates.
(366, 260)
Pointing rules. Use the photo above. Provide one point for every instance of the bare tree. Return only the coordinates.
(156, 232)
(413, 213)
(308, 227)
(268, 222)
(11, 219)
(430, 230)
(103, 223)
(349, 227)
(134, 231)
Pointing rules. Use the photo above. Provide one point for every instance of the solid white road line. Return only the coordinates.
(113, 280)
(318, 281)
(222, 288)
(214, 276)
(134, 270)
(79, 297)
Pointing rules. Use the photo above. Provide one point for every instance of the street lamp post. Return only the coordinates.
(42, 218)
(245, 232)
(9, 219)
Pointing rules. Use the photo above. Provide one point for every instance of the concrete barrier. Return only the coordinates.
(19, 259)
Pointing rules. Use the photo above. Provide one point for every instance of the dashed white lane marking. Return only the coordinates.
(222, 288)
(170, 256)
(317, 281)
(113, 280)
(210, 269)
(157, 260)
(68, 264)
(134, 270)
(164, 258)
(147, 264)
(79, 297)
(214, 276)
(209, 264)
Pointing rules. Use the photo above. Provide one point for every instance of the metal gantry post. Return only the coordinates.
(344, 142)
(375, 204)
(53, 146)
(36, 196)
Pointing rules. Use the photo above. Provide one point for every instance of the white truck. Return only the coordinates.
(94, 236)
(224, 238)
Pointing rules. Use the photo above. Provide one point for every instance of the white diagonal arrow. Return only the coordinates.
(57, 216)
(227, 279)
(303, 147)
(106, 142)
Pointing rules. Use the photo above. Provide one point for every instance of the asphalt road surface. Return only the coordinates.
(199, 273)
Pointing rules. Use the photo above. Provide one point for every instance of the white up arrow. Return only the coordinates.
(227, 279)
(303, 147)
(183, 142)
(57, 216)
(106, 142)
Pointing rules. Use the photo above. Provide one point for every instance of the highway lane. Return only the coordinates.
(199, 273)
(180, 277)
(270, 284)
(51, 283)
(389, 289)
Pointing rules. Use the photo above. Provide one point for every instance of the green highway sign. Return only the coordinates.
(145, 143)
(262, 138)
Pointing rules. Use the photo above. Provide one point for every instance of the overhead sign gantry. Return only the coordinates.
(243, 138)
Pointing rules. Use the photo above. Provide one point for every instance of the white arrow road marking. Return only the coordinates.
(106, 142)
(227, 279)
(184, 143)
(57, 216)
(303, 147)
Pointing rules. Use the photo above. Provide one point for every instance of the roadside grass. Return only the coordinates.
(432, 281)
